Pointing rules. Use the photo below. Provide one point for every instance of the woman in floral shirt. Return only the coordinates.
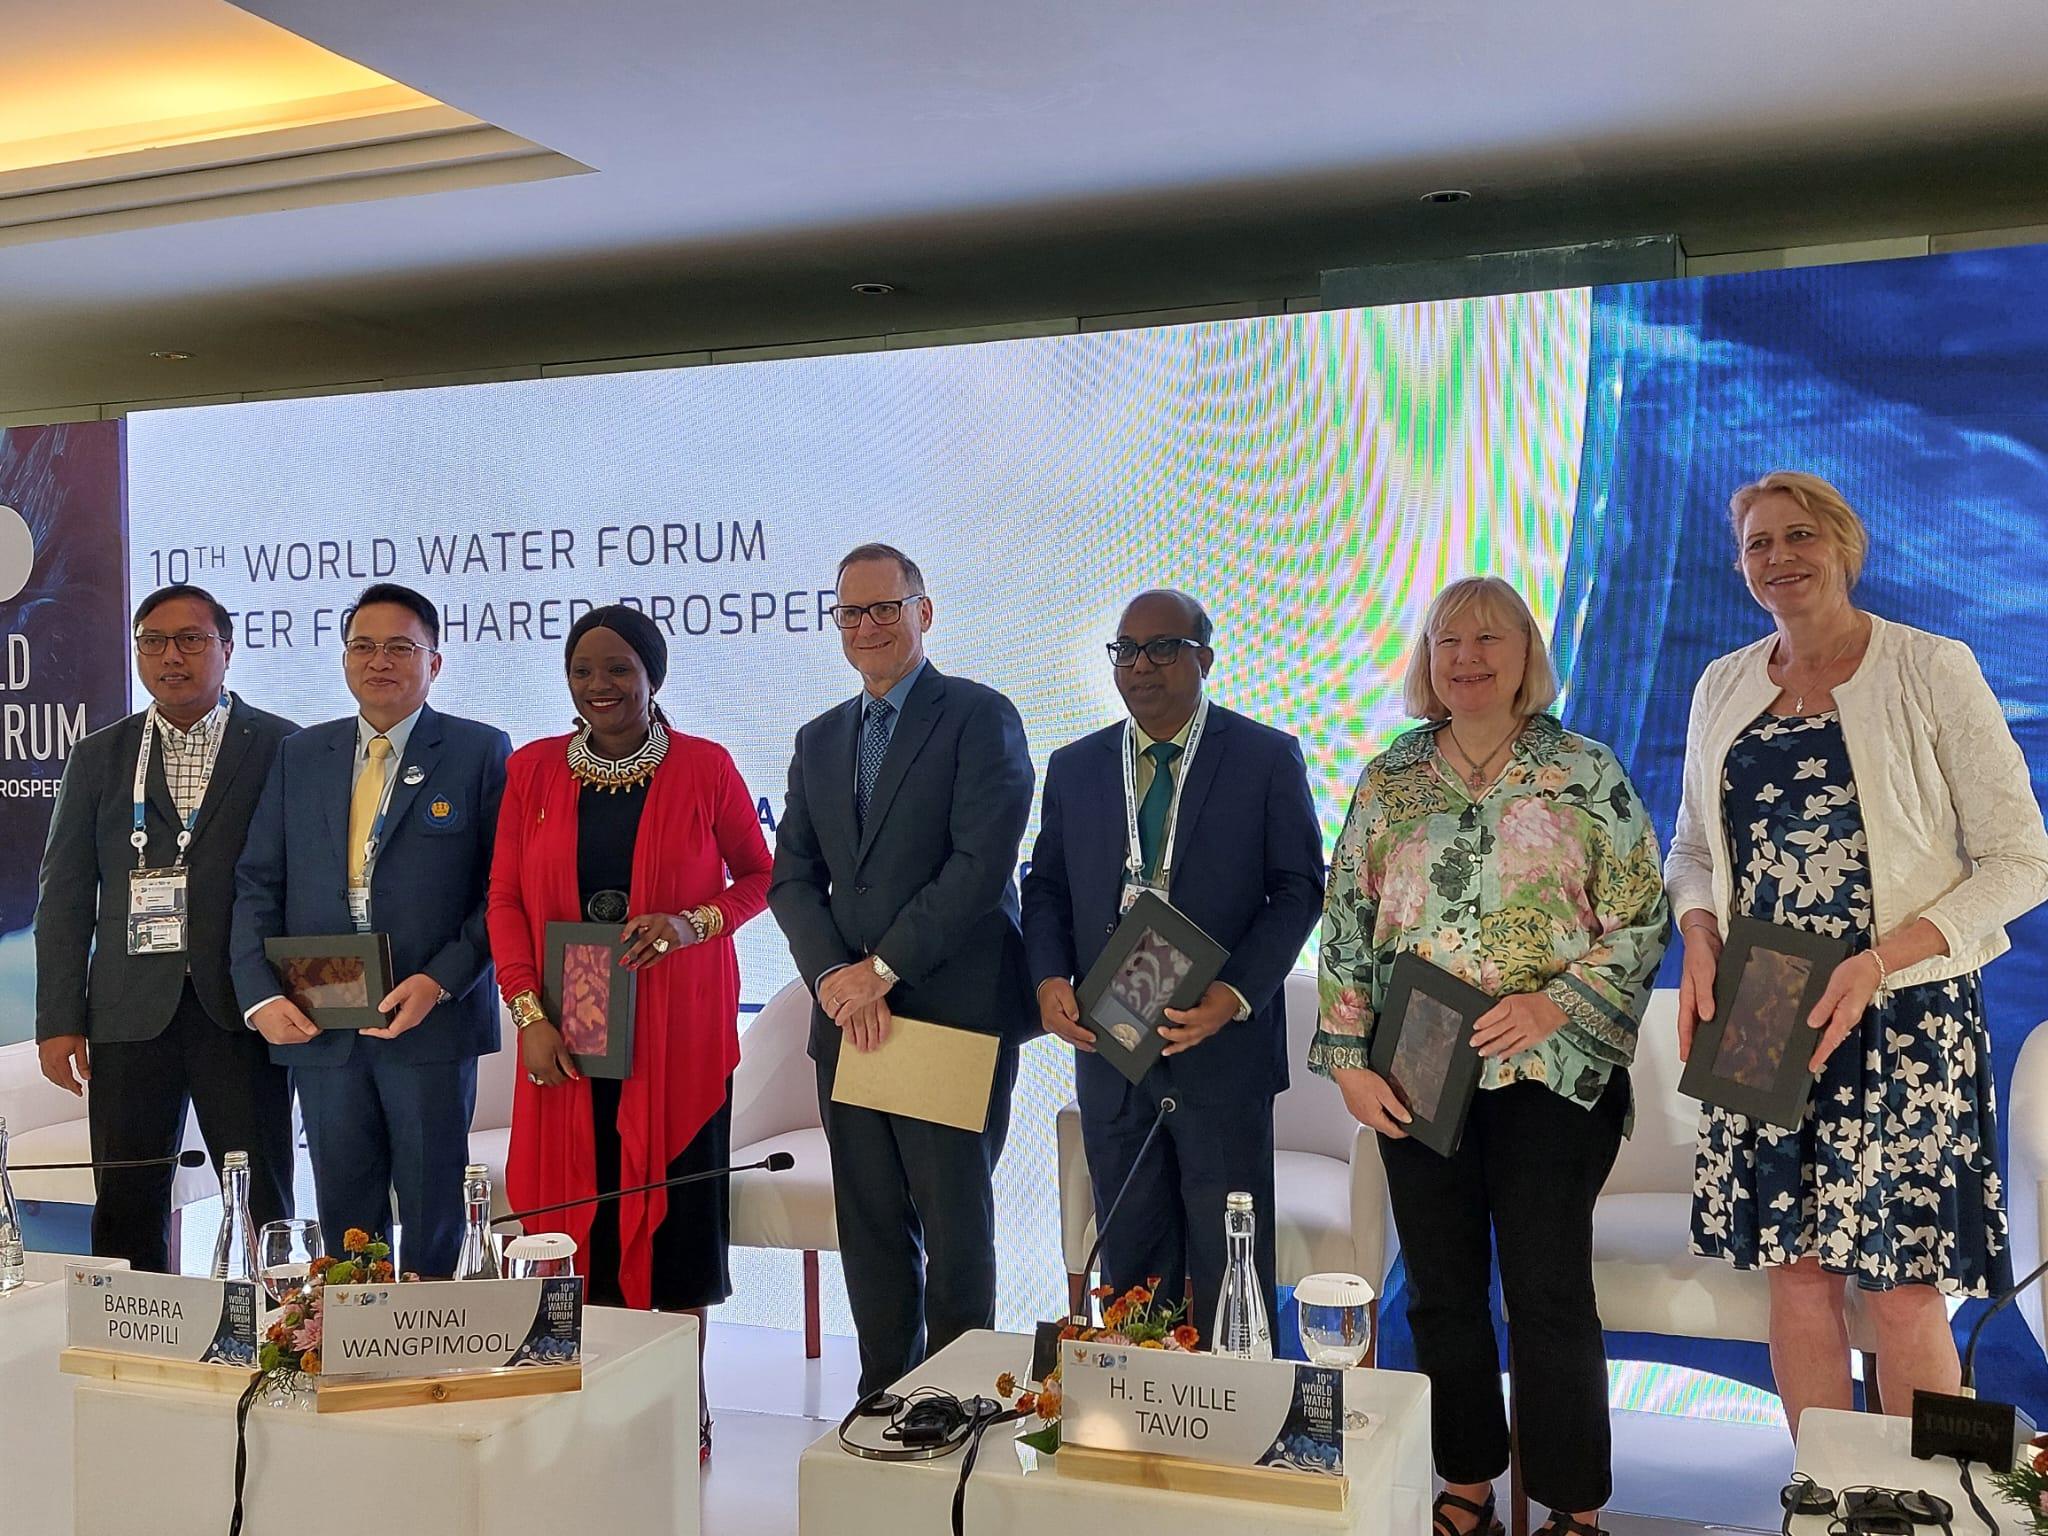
(1496, 844)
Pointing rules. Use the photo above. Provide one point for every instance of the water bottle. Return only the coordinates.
(479, 1257)
(13, 1265)
(1242, 1329)
(234, 1247)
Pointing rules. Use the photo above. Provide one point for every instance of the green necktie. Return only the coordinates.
(1152, 809)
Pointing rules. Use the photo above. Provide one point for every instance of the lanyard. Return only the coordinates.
(1135, 861)
(383, 809)
(140, 836)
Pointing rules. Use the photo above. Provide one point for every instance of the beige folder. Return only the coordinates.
(926, 1071)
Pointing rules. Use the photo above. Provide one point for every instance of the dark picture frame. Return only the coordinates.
(1157, 959)
(589, 996)
(335, 979)
(1751, 1056)
(1422, 1046)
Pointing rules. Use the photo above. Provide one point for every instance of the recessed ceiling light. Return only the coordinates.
(1446, 196)
(873, 290)
(172, 357)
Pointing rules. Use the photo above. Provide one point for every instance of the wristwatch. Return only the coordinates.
(882, 969)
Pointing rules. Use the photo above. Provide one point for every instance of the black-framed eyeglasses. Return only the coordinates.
(887, 611)
(1161, 652)
(189, 642)
(400, 649)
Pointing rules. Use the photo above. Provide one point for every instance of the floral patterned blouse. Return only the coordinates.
(1548, 882)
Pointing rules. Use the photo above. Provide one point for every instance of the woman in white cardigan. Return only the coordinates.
(1855, 777)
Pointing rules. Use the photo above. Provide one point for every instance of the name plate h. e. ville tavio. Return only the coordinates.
(161, 1317)
(1259, 1429)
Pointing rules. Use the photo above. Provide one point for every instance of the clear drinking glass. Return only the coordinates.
(540, 1256)
(285, 1251)
(1333, 1314)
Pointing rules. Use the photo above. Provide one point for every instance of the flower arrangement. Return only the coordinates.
(1137, 1318)
(289, 1356)
(2027, 1484)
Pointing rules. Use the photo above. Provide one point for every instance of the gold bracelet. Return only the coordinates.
(707, 920)
(526, 1010)
(1884, 973)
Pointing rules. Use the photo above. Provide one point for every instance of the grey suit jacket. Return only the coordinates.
(86, 981)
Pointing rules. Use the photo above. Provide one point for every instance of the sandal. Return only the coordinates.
(1562, 1524)
(1444, 1525)
(704, 1438)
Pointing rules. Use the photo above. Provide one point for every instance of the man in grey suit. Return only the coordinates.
(894, 883)
(132, 988)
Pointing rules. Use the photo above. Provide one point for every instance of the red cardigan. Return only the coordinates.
(697, 828)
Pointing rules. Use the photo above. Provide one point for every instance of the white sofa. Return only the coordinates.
(775, 1109)
(2027, 1176)
(47, 1125)
(1328, 1185)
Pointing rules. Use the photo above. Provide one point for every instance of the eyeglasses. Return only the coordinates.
(189, 643)
(397, 650)
(1162, 652)
(888, 611)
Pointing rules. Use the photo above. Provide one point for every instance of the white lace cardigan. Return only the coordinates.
(1954, 833)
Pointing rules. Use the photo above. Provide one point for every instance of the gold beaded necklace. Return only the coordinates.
(612, 775)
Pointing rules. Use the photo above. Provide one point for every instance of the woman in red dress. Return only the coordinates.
(627, 821)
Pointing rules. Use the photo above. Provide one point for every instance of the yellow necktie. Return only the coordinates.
(362, 806)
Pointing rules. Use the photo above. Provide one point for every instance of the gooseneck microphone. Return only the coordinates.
(191, 1157)
(774, 1162)
(1167, 1106)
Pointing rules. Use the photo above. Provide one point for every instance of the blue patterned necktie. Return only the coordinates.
(874, 742)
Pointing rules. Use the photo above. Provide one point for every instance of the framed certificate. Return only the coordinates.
(1751, 1056)
(336, 979)
(589, 995)
(1157, 959)
(1422, 1045)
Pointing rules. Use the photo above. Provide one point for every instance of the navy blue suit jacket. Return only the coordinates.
(928, 882)
(1247, 869)
(427, 886)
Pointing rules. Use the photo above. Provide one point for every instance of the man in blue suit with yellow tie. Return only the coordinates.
(1211, 810)
(382, 822)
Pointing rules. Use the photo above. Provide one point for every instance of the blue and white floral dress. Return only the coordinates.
(1893, 1175)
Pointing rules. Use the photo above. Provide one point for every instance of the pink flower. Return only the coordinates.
(308, 1337)
(1347, 1013)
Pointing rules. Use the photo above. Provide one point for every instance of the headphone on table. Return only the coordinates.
(924, 1424)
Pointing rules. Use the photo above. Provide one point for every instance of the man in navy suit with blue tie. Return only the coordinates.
(382, 822)
(1211, 810)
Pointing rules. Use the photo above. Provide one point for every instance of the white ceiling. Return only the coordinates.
(1013, 159)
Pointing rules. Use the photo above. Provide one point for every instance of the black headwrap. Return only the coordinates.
(631, 626)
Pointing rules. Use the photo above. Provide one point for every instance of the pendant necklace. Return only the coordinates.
(1799, 698)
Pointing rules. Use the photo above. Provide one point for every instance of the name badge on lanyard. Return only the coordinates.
(1135, 882)
(157, 897)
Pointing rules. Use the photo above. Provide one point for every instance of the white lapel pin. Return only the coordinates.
(415, 774)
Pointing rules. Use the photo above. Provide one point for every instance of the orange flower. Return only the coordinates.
(1028, 1403)
(380, 1271)
(1006, 1385)
(1048, 1405)
(1186, 1336)
(1101, 1292)
(309, 1362)
(1139, 1295)
(320, 1267)
(355, 1240)
(1072, 1331)
(1151, 1344)
(1152, 1282)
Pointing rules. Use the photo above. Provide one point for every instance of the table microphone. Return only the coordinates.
(1167, 1106)
(774, 1162)
(191, 1157)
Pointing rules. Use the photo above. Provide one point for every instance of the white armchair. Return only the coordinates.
(2027, 1191)
(47, 1125)
(1327, 1180)
(775, 1109)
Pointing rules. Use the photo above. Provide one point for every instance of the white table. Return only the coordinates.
(35, 1398)
(1015, 1489)
(620, 1455)
(1874, 1450)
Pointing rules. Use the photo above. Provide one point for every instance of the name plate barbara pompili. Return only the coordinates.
(163, 1317)
(1239, 1413)
(446, 1327)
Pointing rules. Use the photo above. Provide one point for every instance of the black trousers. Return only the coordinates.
(140, 1091)
(1523, 1183)
(916, 1206)
(1171, 1221)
